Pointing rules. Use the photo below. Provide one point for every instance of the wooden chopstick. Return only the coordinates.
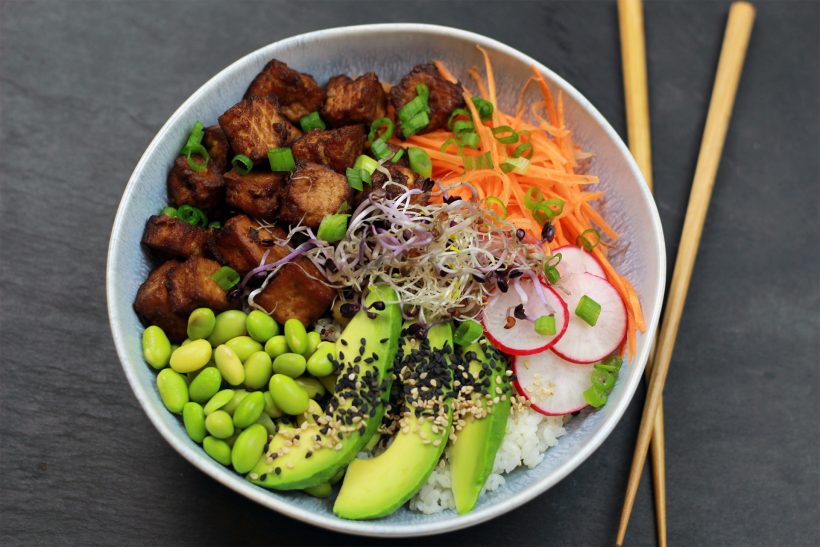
(636, 98)
(730, 66)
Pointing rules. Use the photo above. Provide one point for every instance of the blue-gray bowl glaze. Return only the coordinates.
(629, 207)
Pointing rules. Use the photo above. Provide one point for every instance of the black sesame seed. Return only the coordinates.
(278, 470)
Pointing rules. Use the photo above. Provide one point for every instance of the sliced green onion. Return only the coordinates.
(585, 242)
(505, 134)
(588, 310)
(483, 161)
(226, 277)
(242, 164)
(553, 275)
(169, 212)
(377, 125)
(608, 368)
(423, 91)
(420, 162)
(355, 177)
(532, 198)
(199, 150)
(195, 137)
(468, 332)
(415, 124)
(192, 215)
(469, 138)
(455, 114)
(461, 126)
(333, 228)
(414, 107)
(519, 165)
(615, 361)
(550, 207)
(312, 121)
(449, 142)
(215, 225)
(281, 159)
(398, 155)
(344, 207)
(523, 150)
(595, 397)
(603, 380)
(380, 149)
(366, 163)
(492, 200)
(484, 108)
(545, 325)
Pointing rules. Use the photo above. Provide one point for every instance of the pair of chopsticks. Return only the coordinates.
(730, 65)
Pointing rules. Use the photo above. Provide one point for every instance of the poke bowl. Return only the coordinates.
(508, 111)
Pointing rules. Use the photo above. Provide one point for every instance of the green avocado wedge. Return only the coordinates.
(313, 453)
(477, 441)
(377, 486)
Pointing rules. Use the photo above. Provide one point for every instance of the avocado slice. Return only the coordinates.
(313, 453)
(481, 422)
(376, 487)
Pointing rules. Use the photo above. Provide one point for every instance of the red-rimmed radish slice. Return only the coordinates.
(521, 339)
(553, 386)
(576, 260)
(583, 343)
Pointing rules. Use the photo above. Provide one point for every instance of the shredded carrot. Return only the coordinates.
(553, 170)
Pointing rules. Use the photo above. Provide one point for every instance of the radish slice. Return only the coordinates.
(553, 386)
(576, 260)
(583, 343)
(521, 339)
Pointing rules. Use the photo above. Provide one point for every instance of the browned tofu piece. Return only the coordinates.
(296, 291)
(405, 176)
(190, 286)
(312, 192)
(241, 244)
(203, 189)
(255, 125)
(444, 96)
(362, 100)
(297, 93)
(153, 306)
(258, 193)
(216, 143)
(336, 148)
(173, 237)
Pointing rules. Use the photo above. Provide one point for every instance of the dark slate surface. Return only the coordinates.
(84, 85)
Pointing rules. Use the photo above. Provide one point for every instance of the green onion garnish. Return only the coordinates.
(378, 124)
(463, 126)
(612, 363)
(356, 176)
(169, 211)
(398, 155)
(215, 225)
(423, 91)
(483, 161)
(344, 207)
(523, 150)
(505, 134)
(366, 163)
(242, 164)
(595, 397)
(550, 269)
(414, 107)
(588, 310)
(449, 142)
(469, 139)
(192, 215)
(519, 165)
(312, 121)
(420, 162)
(281, 159)
(604, 376)
(585, 241)
(226, 277)
(532, 198)
(484, 108)
(415, 124)
(414, 115)
(333, 228)
(456, 113)
(545, 325)
(605, 380)
(468, 332)
(550, 207)
(199, 150)
(492, 200)
(380, 149)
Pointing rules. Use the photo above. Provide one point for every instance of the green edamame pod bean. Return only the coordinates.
(238, 396)
(312, 386)
(217, 449)
(319, 364)
(276, 346)
(219, 424)
(243, 346)
(156, 348)
(265, 421)
(270, 407)
(258, 370)
(291, 364)
(249, 410)
(261, 326)
(287, 395)
(296, 336)
(201, 323)
(205, 385)
(248, 448)
(323, 490)
(194, 419)
(173, 390)
(229, 365)
(191, 357)
(229, 324)
(329, 382)
(218, 401)
(313, 341)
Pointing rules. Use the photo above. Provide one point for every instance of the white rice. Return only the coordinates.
(529, 434)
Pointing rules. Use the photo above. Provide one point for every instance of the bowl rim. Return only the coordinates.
(365, 528)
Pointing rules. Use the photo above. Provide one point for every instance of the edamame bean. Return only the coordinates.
(194, 419)
(156, 348)
(287, 395)
(248, 448)
(238, 396)
(249, 410)
(265, 421)
(319, 363)
(218, 401)
(229, 365)
(276, 346)
(244, 346)
(191, 357)
(296, 336)
(229, 324)
(219, 424)
(323, 490)
(270, 407)
(201, 323)
(261, 326)
(329, 382)
(313, 341)
(258, 370)
(311, 414)
(291, 364)
(205, 385)
(173, 390)
(312, 386)
(217, 449)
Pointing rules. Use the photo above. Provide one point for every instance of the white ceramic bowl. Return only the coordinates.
(629, 208)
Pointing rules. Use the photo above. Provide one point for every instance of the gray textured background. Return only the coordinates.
(84, 86)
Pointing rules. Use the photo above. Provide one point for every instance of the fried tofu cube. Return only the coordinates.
(297, 93)
(153, 306)
(336, 148)
(255, 125)
(297, 291)
(172, 237)
(258, 193)
(241, 243)
(403, 175)
(362, 100)
(202, 189)
(216, 143)
(190, 286)
(312, 192)
(444, 96)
